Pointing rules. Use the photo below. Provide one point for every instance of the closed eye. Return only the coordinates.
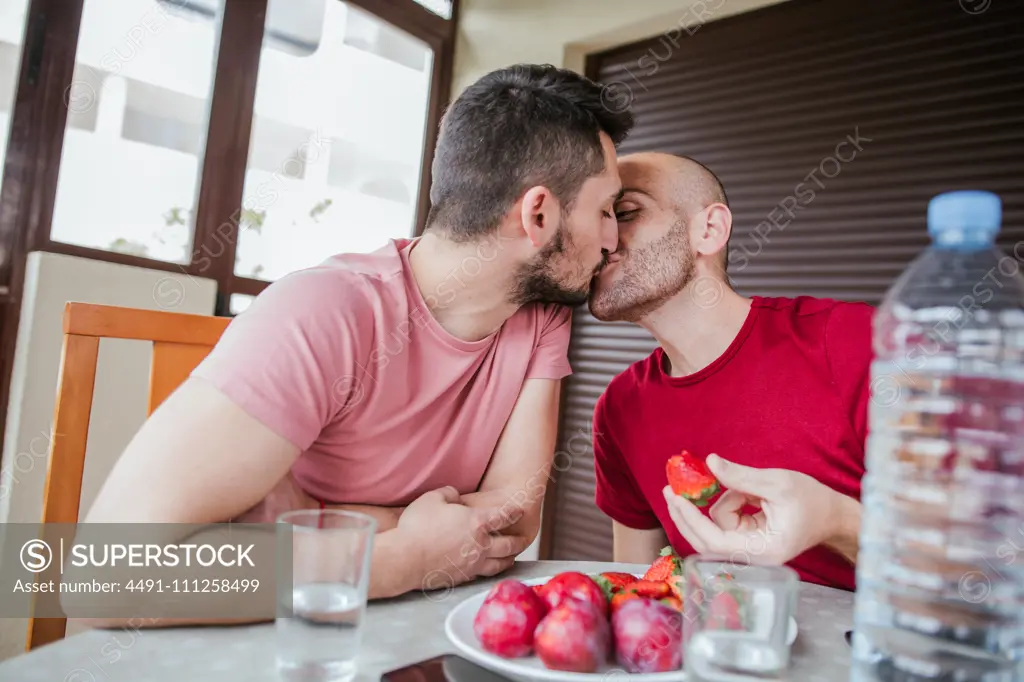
(626, 216)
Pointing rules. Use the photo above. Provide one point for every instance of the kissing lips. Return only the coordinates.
(611, 262)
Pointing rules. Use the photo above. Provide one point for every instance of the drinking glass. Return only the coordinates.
(736, 619)
(319, 633)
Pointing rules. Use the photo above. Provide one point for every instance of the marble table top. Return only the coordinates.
(397, 632)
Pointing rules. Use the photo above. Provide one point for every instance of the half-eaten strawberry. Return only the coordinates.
(690, 477)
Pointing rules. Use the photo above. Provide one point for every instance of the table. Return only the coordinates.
(397, 632)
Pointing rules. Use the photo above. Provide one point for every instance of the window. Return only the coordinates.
(334, 166)
(318, 140)
(239, 303)
(175, 114)
(12, 28)
(137, 115)
(442, 8)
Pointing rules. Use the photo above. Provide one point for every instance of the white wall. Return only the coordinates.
(122, 380)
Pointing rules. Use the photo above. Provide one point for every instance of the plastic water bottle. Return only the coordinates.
(940, 585)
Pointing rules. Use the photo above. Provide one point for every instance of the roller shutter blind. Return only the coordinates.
(931, 91)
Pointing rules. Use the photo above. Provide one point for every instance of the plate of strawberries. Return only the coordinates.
(577, 626)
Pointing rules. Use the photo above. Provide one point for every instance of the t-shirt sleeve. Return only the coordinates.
(290, 359)
(551, 356)
(616, 492)
(848, 343)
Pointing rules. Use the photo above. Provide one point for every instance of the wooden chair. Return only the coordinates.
(180, 342)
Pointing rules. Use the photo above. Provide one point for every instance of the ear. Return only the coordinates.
(712, 228)
(540, 213)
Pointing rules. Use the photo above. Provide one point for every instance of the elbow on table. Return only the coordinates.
(529, 526)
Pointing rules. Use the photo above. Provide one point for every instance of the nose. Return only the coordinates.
(610, 236)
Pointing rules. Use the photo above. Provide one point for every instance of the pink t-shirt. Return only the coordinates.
(345, 361)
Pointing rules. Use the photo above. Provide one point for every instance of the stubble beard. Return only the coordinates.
(537, 280)
(651, 275)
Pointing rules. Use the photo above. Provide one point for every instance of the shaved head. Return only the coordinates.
(703, 187)
(693, 185)
(673, 211)
(689, 184)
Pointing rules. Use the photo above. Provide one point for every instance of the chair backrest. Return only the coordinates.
(180, 342)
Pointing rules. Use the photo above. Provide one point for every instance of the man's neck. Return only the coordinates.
(465, 286)
(694, 329)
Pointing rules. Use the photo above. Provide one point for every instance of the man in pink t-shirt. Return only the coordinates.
(419, 382)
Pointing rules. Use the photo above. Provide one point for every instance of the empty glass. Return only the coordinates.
(736, 619)
(319, 633)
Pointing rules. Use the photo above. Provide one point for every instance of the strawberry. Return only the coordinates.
(619, 579)
(664, 566)
(674, 602)
(612, 583)
(650, 589)
(667, 568)
(690, 477)
(724, 613)
(621, 598)
(640, 589)
(537, 588)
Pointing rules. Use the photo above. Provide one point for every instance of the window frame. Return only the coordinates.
(39, 118)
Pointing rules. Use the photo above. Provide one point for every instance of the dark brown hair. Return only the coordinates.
(515, 128)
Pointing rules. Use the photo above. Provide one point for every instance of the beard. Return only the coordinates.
(649, 276)
(538, 280)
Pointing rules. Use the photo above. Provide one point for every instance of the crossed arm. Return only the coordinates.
(517, 476)
(201, 459)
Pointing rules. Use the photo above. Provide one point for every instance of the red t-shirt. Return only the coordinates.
(791, 392)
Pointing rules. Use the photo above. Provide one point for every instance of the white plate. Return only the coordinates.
(458, 626)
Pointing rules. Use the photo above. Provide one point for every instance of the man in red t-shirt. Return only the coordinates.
(773, 391)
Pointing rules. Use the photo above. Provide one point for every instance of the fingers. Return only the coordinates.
(494, 520)
(700, 531)
(743, 479)
(449, 494)
(492, 567)
(503, 546)
(726, 512)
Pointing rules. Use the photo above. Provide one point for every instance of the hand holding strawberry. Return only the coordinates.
(796, 513)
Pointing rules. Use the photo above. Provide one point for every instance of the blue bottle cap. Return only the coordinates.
(965, 217)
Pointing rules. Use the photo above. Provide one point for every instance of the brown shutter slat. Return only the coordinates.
(762, 98)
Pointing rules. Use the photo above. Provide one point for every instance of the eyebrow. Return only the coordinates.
(617, 195)
(627, 190)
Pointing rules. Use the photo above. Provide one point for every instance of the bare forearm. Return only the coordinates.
(176, 589)
(846, 539)
(396, 569)
(512, 502)
(386, 517)
(632, 546)
(144, 623)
